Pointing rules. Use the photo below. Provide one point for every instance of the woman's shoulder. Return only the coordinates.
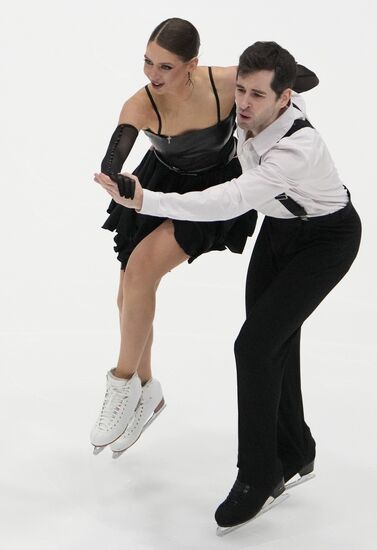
(224, 77)
(137, 110)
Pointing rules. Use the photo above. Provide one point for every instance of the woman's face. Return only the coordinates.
(165, 70)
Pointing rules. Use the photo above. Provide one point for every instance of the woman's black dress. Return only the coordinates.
(192, 161)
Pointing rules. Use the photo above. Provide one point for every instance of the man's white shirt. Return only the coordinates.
(298, 165)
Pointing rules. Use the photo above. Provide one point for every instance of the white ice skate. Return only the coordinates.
(121, 399)
(151, 404)
(305, 474)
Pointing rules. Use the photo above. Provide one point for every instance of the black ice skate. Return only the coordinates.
(245, 503)
(305, 474)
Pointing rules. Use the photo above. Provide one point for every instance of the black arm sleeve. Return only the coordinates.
(305, 79)
(119, 148)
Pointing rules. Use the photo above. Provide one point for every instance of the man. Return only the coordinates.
(308, 241)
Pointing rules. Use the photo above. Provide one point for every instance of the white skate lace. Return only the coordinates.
(112, 405)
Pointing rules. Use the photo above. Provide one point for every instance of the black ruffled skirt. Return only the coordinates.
(194, 238)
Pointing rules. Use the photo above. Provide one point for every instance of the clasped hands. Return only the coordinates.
(112, 188)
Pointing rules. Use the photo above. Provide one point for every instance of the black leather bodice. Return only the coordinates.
(197, 150)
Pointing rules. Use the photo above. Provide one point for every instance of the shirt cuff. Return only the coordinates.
(151, 203)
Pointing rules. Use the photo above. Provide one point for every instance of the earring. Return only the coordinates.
(189, 81)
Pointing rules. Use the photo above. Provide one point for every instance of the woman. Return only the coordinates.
(188, 113)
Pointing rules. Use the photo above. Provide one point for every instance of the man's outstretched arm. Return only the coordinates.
(225, 201)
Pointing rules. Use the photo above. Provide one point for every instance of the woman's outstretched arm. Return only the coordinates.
(133, 117)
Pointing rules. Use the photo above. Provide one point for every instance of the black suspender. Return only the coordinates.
(297, 125)
(290, 204)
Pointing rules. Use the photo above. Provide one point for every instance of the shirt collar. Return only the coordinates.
(275, 131)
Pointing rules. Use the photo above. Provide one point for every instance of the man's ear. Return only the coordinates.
(285, 97)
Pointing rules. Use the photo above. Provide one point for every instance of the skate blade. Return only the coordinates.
(298, 481)
(270, 503)
(158, 411)
(98, 450)
(160, 408)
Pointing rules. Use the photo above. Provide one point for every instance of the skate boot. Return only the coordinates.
(305, 474)
(121, 399)
(245, 503)
(151, 404)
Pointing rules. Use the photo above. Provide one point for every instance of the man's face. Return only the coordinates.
(257, 104)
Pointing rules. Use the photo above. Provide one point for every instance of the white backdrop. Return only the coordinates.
(66, 69)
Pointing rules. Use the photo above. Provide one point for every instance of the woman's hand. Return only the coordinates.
(111, 187)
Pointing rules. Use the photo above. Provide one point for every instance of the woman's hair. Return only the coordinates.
(271, 57)
(178, 36)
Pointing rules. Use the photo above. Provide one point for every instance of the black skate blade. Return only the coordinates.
(270, 503)
(299, 481)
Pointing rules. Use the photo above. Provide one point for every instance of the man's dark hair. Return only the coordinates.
(269, 56)
(178, 36)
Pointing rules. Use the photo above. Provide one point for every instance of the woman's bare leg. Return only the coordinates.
(145, 367)
(154, 256)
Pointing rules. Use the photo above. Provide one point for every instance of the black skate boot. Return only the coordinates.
(300, 476)
(244, 503)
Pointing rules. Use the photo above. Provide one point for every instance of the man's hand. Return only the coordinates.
(111, 187)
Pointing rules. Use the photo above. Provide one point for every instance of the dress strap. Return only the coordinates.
(155, 109)
(215, 93)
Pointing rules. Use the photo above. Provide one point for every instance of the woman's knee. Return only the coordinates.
(140, 274)
(155, 256)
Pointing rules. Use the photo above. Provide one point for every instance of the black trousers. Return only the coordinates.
(294, 265)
